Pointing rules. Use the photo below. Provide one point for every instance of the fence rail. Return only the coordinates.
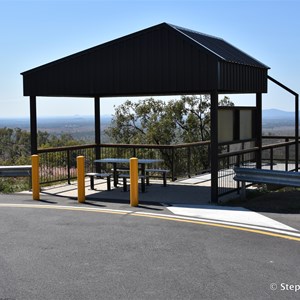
(184, 160)
(275, 156)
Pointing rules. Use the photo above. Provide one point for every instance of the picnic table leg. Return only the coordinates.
(92, 183)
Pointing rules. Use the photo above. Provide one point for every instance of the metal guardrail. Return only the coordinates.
(281, 178)
(273, 155)
(284, 178)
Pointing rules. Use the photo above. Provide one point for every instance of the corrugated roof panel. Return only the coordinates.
(160, 60)
(221, 48)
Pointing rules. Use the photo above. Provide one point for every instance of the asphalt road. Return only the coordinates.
(73, 254)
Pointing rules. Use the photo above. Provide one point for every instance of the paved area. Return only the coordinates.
(174, 245)
(59, 249)
(185, 198)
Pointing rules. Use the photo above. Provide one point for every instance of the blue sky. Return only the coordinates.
(39, 31)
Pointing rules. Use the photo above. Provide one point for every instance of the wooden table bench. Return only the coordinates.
(281, 178)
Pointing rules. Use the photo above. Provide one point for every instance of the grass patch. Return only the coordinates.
(9, 185)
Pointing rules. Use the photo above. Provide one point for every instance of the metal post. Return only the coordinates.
(287, 155)
(271, 159)
(214, 146)
(33, 125)
(97, 130)
(296, 132)
(134, 182)
(69, 166)
(80, 179)
(258, 131)
(189, 162)
(173, 165)
(35, 177)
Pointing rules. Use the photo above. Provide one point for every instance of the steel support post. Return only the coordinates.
(296, 132)
(214, 146)
(33, 125)
(97, 124)
(258, 130)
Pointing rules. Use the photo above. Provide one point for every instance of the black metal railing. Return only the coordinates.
(275, 156)
(183, 160)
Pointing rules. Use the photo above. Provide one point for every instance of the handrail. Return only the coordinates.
(264, 147)
(54, 149)
(57, 149)
(278, 137)
(182, 159)
(244, 151)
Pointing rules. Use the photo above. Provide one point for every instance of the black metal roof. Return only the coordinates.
(221, 48)
(160, 60)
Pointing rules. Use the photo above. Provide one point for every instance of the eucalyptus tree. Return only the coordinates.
(153, 121)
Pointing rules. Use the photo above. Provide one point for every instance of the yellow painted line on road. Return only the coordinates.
(148, 215)
(72, 208)
(218, 225)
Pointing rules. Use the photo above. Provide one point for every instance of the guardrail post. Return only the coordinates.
(134, 182)
(35, 177)
(80, 179)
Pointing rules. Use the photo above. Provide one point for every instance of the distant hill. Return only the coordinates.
(54, 122)
(277, 114)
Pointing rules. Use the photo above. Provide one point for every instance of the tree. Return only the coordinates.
(141, 122)
(151, 121)
(15, 149)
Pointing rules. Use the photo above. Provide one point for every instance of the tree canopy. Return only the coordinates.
(152, 121)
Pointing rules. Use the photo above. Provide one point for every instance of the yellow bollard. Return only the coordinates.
(134, 182)
(80, 179)
(35, 178)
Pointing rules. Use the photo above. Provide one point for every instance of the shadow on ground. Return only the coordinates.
(283, 202)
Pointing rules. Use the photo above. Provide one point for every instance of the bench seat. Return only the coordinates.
(162, 171)
(99, 175)
(126, 176)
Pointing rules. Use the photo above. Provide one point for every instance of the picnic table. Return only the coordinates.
(116, 162)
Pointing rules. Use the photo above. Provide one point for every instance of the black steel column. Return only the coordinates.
(97, 129)
(296, 132)
(33, 125)
(258, 130)
(214, 146)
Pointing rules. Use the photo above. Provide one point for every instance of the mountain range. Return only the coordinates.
(277, 114)
(83, 121)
